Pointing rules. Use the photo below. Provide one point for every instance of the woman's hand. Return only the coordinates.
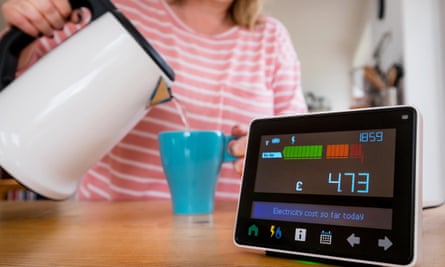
(38, 17)
(238, 147)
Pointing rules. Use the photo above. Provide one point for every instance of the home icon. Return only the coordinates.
(253, 230)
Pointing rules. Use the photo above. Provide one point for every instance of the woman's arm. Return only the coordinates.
(286, 81)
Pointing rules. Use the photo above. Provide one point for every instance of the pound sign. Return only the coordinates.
(299, 186)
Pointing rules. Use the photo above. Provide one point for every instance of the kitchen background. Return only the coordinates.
(357, 53)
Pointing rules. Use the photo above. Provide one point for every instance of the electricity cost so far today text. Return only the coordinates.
(341, 182)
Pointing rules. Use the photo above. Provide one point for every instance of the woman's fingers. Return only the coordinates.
(238, 165)
(55, 12)
(238, 147)
(37, 17)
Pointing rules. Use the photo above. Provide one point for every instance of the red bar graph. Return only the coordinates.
(356, 151)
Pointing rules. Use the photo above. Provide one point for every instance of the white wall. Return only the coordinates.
(325, 34)
(424, 56)
(374, 30)
(392, 23)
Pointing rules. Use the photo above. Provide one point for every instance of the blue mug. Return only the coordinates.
(192, 162)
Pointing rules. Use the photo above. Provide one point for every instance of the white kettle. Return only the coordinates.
(70, 108)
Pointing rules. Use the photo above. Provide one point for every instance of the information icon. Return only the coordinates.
(300, 234)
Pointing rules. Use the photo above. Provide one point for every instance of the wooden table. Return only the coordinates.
(70, 233)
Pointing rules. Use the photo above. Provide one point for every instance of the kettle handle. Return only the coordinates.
(15, 40)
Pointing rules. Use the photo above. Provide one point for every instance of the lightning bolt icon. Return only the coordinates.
(272, 230)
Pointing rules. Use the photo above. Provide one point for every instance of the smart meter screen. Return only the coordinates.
(349, 163)
(339, 185)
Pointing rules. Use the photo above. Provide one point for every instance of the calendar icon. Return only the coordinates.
(326, 237)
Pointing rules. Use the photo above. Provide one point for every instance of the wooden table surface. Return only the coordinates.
(144, 233)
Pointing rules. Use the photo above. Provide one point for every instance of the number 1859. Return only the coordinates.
(371, 137)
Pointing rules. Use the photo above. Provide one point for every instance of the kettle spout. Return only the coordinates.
(161, 93)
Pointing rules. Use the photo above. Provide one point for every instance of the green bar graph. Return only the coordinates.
(303, 152)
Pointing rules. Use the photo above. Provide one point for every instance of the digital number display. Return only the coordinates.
(353, 184)
(371, 137)
(359, 163)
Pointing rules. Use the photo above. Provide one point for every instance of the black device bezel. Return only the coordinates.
(404, 203)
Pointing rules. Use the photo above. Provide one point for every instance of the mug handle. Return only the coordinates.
(227, 156)
(15, 40)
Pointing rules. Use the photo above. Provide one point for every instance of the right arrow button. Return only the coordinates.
(385, 243)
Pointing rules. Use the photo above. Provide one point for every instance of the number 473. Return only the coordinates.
(359, 183)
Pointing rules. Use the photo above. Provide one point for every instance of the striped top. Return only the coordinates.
(222, 80)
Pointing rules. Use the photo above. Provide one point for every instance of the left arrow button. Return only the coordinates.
(353, 240)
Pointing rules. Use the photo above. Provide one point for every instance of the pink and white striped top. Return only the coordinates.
(222, 80)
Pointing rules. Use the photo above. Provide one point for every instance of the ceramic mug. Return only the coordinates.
(192, 162)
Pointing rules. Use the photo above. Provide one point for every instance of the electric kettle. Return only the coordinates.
(71, 107)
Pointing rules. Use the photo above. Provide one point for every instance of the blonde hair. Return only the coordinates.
(244, 13)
